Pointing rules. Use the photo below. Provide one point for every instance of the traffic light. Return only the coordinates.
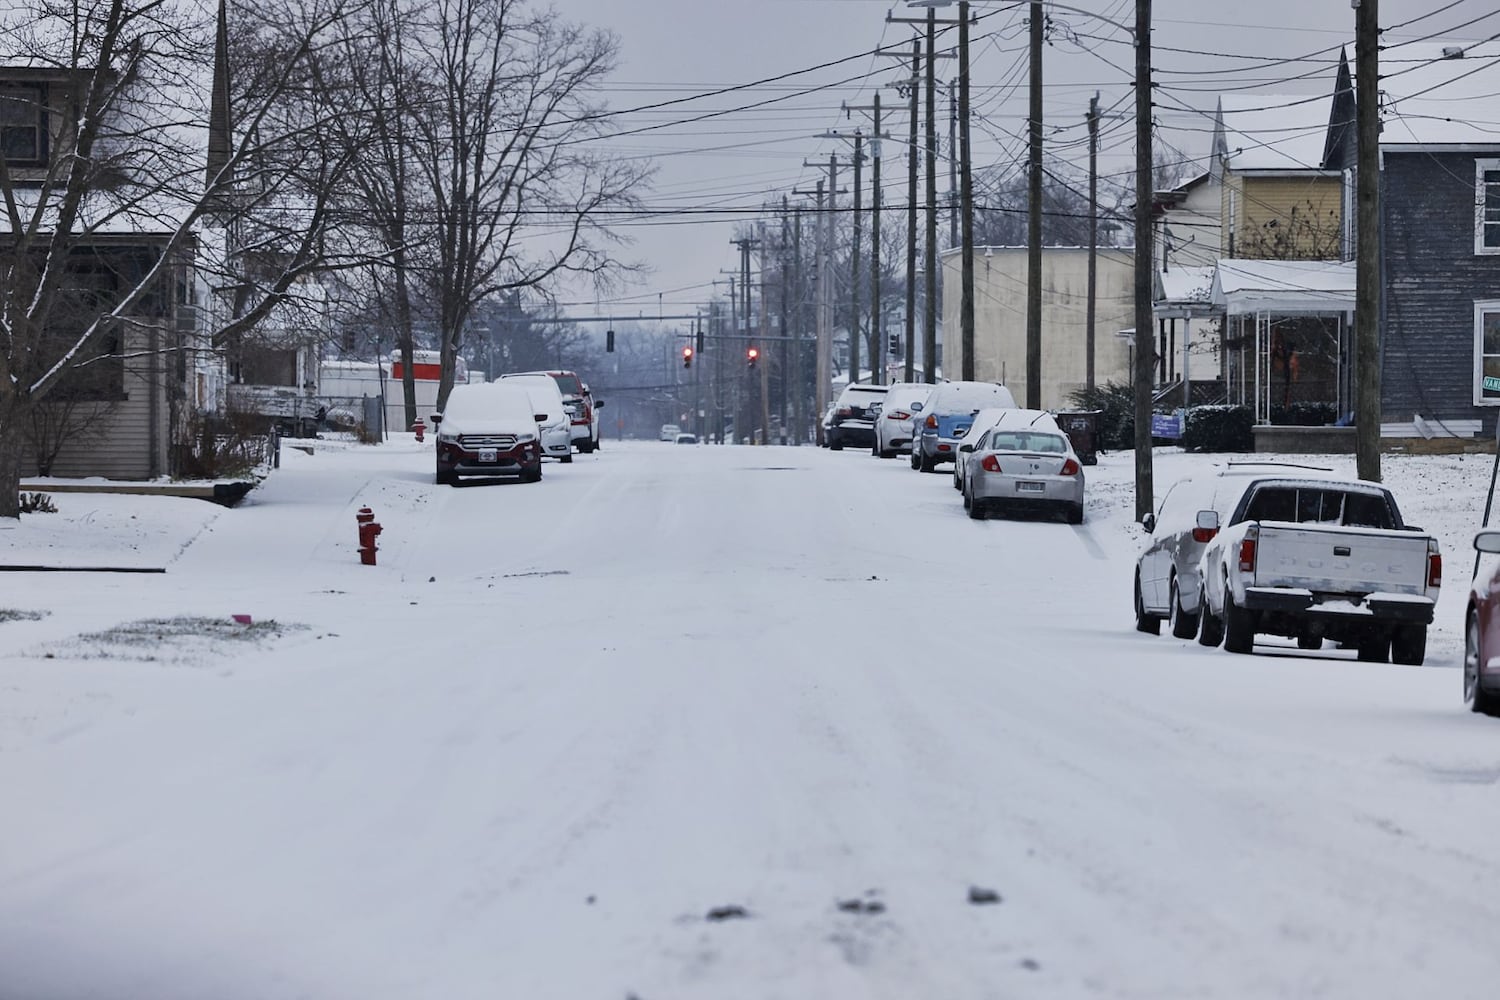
(895, 343)
(609, 341)
(687, 357)
(752, 356)
(700, 337)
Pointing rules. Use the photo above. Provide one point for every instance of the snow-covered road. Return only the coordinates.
(528, 753)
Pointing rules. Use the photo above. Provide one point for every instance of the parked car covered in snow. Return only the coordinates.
(896, 425)
(1482, 628)
(947, 416)
(554, 421)
(1023, 462)
(488, 429)
(854, 416)
(583, 408)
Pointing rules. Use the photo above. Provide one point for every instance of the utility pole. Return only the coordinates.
(1090, 311)
(765, 322)
(799, 425)
(825, 293)
(1034, 218)
(878, 349)
(854, 304)
(1367, 254)
(929, 307)
(911, 218)
(953, 235)
(966, 196)
(930, 258)
(1145, 351)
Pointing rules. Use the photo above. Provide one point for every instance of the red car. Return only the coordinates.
(1482, 630)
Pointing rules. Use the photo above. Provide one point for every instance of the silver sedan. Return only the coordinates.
(1023, 468)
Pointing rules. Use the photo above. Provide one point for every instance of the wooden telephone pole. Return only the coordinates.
(1367, 254)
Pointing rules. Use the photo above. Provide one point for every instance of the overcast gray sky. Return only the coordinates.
(672, 49)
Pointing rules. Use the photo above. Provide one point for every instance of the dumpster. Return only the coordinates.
(1082, 428)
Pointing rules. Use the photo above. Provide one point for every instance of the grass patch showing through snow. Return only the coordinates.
(17, 615)
(173, 640)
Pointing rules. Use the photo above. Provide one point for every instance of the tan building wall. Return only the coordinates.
(1000, 319)
(1292, 216)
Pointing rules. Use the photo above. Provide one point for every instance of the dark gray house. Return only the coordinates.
(1440, 240)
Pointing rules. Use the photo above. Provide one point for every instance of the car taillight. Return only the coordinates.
(990, 464)
(1070, 468)
(898, 415)
(931, 422)
(1434, 565)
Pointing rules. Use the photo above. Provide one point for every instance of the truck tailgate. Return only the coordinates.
(1332, 559)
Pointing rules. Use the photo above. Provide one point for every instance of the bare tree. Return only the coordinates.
(506, 119)
(121, 184)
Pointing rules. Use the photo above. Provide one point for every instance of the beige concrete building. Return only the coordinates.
(1000, 318)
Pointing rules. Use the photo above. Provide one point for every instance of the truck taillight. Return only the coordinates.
(1434, 565)
(1247, 550)
(931, 423)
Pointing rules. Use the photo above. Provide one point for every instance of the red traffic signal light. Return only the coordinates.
(687, 357)
(752, 356)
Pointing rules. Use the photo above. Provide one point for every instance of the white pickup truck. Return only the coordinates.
(1315, 559)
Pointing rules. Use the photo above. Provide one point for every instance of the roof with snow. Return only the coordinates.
(1271, 131)
(1436, 94)
(1284, 286)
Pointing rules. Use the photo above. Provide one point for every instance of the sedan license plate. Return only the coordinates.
(487, 454)
(1031, 487)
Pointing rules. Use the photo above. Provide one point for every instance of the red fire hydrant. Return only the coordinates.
(368, 531)
(419, 428)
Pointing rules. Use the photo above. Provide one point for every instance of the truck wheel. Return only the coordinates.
(1409, 645)
(1376, 648)
(1210, 629)
(1184, 625)
(1147, 623)
(1239, 626)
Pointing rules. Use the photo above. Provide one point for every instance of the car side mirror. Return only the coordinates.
(1207, 526)
(966, 447)
(540, 418)
(1488, 540)
(598, 404)
(1148, 521)
(435, 418)
(916, 407)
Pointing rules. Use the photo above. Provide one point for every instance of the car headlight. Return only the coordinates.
(525, 438)
(447, 438)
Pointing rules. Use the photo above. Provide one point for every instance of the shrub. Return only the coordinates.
(222, 447)
(1116, 404)
(1219, 428)
(1305, 414)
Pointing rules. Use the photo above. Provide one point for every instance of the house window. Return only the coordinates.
(1487, 206)
(1487, 353)
(23, 120)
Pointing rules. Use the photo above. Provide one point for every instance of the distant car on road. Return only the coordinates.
(1482, 629)
(687, 438)
(1023, 462)
(488, 429)
(669, 432)
(899, 412)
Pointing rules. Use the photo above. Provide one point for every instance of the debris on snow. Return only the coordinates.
(980, 896)
(730, 912)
